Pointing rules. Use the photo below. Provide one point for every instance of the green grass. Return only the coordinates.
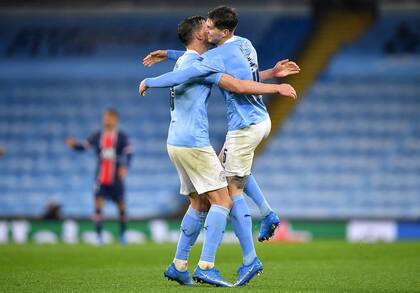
(314, 267)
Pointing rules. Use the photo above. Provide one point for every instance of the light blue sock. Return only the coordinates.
(242, 226)
(214, 227)
(190, 229)
(254, 192)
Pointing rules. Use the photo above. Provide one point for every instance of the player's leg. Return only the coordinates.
(117, 196)
(254, 192)
(235, 158)
(239, 152)
(98, 217)
(122, 217)
(190, 229)
(240, 218)
(214, 228)
(206, 174)
(270, 219)
(190, 225)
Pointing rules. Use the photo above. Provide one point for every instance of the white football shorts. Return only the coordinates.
(240, 145)
(199, 169)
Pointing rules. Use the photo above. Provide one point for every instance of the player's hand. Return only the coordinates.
(142, 88)
(71, 142)
(285, 67)
(287, 90)
(2, 152)
(122, 171)
(155, 57)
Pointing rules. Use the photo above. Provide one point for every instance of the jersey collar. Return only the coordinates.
(230, 40)
(189, 51)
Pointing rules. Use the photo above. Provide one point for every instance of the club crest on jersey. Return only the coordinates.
(108, 153)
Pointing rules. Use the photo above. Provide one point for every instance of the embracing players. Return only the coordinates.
(114, 154)
(246, 112)
(248, 124)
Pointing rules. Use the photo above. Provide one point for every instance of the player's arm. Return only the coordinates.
(239, 86)
(201, 68)
(126, 157)
(72, 143)
(171, 79)
(161, 55)
(282, 68)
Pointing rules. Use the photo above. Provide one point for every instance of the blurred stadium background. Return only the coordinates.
(341, 163)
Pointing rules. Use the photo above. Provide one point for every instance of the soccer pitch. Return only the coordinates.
(313, 267)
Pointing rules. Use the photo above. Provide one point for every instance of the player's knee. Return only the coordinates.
(204, 205)
(237, 181)
(194, 200)
(220, 197)
(99, 202)
(228, 203)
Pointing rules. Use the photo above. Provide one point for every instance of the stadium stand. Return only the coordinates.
(351, 148)
(58, 73)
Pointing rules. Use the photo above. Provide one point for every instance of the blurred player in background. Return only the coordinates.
(114, 154)
(198, 166)
(248, 124)
(2, 152)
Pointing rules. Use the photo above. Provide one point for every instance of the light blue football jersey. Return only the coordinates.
(237, 57)
(188, 102)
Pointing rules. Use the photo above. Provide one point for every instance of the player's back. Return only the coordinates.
(189, 101)
(238, 58)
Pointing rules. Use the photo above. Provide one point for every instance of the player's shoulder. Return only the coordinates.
(231, 45)
(94, 137)
(244, 45)
(238, 40)
(187, 59)
(122, 134)
(241, 39)
(213, 52)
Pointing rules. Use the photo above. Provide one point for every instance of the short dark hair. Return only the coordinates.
(188, 27)
(113, 112)
(224, 17)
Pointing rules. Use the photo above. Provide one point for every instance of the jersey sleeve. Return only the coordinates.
(210, 65)
(174, 54)
(174, 78)
(213, 78)
(201, 68)
(127, 151)
(91, 141)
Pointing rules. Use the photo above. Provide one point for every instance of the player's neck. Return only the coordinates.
(225, 39)
(109, 130)
(197, 46)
